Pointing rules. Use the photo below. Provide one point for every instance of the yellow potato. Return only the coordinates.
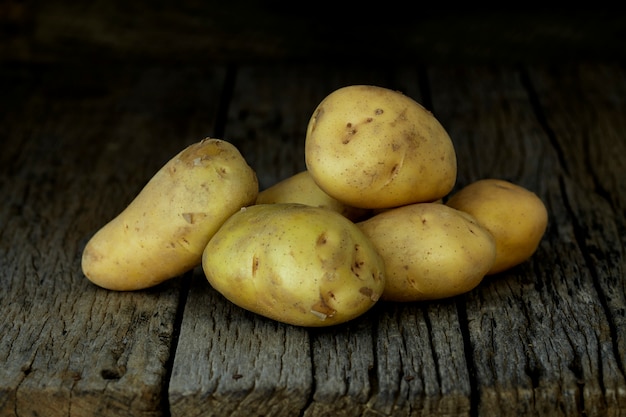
(164, 230)
(373, 147)
(300, 188)
(515, 216)
(431, 251)
(297, 264)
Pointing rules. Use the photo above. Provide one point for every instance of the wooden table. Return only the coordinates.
(79, 140)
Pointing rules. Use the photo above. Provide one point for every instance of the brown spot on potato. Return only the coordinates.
(366, 291)
(369, 293)
(192, 218)
(91, 255)
(183, 242)
(221, 172)
(351, 131)
(356, 267)
(322, 310)
(378, 112)
(401, 118)
(322, 239)
(255, 265)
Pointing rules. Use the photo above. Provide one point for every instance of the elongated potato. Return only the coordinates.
(372, 147)
(430, 250)
(300, 188)
(164, 230)
(514, 215)
(297, 264)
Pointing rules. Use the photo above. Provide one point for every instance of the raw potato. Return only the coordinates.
(515, 216)
(373, 147)
(300, 188)
(431, 251)
(164, 230)
(297, 264)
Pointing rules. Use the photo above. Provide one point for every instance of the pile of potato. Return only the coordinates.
(372, 217)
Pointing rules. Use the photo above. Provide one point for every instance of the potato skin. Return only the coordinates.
(431, 251)
(164, 230)
(372, 147)
(514, 215)
(300, 188)
(293, 263)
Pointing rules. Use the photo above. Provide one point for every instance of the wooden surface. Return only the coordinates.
(78, 141)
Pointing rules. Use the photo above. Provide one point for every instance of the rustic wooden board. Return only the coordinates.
(588, 118)
(229, 362)
(545, 338)
(73, 155)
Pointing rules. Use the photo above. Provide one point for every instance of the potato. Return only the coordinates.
(300, 188)
(372, 147)
(164, 230)
(515, 216)
(297, 264)
(431, 251)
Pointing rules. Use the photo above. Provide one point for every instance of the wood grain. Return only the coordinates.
(229, 362)
(541, 333)
(78, 142)
(72, 157)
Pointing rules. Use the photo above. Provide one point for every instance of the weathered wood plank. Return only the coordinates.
(229, 362)
(586, 111)
(74, 152)
(546, 338)
(540, 333)
(420, 358)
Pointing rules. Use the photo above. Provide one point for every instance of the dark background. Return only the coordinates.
(245, 31)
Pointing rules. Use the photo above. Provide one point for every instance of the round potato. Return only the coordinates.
(515, 216)
(300, 188)
(162, 233)
(372, 147)
(297, 264)
(431, 251)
